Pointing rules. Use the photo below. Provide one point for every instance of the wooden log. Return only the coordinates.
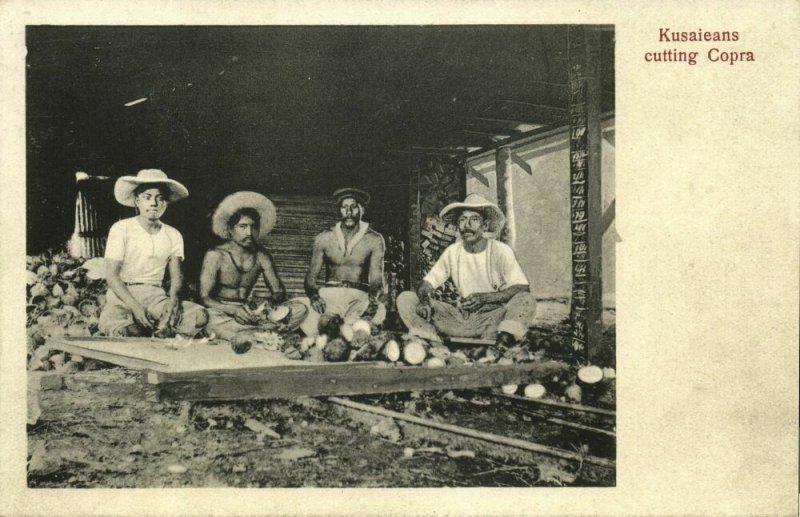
(475, 434)
(555, 403)
(505, 193)
(336, 379)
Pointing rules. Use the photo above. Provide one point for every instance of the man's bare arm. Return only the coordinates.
(476, 300)
(376, 268)
(175, 277)
(317, 258)
(271, 276)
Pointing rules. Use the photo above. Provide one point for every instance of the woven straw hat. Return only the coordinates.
(239, 200)
(490, 211)
(124, 187)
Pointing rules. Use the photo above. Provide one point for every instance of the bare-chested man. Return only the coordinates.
(232, 269)
(353, 256)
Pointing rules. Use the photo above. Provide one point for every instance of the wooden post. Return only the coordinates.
(414, 227)
(585, 193)
(504, 167)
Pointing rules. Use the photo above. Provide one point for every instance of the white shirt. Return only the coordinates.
(493, 269)
(144, 256)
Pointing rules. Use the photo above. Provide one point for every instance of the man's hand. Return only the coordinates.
(371, 310)
(243, 316)
(475, 301)
(424, 310)
(317, 304)
(142, 318)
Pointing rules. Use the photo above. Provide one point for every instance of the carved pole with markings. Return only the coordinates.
(585, 193)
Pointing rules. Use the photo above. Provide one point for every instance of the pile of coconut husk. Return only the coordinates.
(64, 298)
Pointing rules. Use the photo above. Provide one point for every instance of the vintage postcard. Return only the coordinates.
(441, 258)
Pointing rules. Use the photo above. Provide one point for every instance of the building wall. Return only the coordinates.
(542, 208)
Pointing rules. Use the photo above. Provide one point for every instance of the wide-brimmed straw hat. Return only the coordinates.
(238, 200)
(490, 211)
(361, 197)
(124, 187)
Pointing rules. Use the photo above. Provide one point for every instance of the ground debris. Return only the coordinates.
(258, 427)
(295, 454)
(387, 428)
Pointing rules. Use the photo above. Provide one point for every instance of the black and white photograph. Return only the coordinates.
(346, 256)
(382, 258)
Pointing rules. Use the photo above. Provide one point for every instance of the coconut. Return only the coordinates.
(57, 290)
(39, 289)
(35, 333)
(292, 353)
(95, 268)
(415, 350)
(457, 358)
(329, 325)
(509, 389)
(88, 307)
(72, 311)
(435, 362)
(78, 328)
(320, 341)
(391, 351)
(439, 350)
(280, 314)
(42, 271)
(69, 299)
(535, 391)
(241, 343)
(53, 269)
(609, 373)
(590, 374)
(337, 350)
(362, 325)
(68, 367)
(346, 331)
(574, 393)
(53, 301)
(306, 343)
(58, 360)
(315, 355)
(31, 278)
(38, 302)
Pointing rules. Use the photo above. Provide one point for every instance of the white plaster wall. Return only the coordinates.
(542, 206)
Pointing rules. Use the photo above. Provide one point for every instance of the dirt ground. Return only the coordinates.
(98, 431)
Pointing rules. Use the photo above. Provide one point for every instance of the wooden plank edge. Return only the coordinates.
(108, 357)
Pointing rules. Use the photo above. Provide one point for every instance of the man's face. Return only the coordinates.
(350, 212)
(471, 225)
(245, 232)
(151, 204)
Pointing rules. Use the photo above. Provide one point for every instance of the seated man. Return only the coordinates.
(353, 255)
(138, 251)
(496, 302)
(231, 269)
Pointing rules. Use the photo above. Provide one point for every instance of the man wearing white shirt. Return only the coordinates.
(495, 303)
(138, 252)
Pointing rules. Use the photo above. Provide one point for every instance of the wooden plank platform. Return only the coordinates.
(208, 372)
(337, 379)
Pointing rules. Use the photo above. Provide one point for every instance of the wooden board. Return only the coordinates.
(337, 379)
(208, 372)
(155, 354)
